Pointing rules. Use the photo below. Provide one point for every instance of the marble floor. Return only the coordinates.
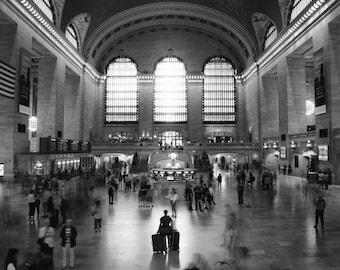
(276, 232)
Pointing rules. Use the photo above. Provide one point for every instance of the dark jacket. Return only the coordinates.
(73, 236)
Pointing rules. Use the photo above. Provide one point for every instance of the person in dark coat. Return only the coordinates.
(198, 190)
(165, 226)
(240, 189)
(110, 192)
(319, 211)
(68, 235)
(63, 208)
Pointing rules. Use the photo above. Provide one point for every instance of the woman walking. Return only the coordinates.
(97, 214)
(173, 199)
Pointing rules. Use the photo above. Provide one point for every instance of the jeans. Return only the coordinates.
(68, 248)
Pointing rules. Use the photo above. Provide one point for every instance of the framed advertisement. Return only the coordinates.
(24, 82)
(323, 152)
(319, 83)
(2, 169)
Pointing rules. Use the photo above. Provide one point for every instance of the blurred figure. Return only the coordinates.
(97, 213)
(199, 262)
(319, 211)
(31, 204)
(63, 208)
(46, 233)
(11, 259)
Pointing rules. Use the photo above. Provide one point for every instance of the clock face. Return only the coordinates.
(173, 155)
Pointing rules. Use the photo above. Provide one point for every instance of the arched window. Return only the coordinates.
(271, 35)
(121, 99)
(170, 92)
(46, 7)
(219, 99)
(71, 35)
(297, 7)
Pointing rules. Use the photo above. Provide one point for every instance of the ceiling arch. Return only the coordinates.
(185, 17)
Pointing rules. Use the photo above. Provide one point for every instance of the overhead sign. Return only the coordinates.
(2, 169)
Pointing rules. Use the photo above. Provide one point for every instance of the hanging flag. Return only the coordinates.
(7, 80)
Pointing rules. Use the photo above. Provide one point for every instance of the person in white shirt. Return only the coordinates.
(97, 213)
(31, 204)
(173, 199)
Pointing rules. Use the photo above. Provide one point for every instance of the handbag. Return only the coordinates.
(41, 240)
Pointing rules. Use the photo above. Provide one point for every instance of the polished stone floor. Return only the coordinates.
(276, 232)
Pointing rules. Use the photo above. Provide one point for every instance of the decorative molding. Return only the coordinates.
(200, 14)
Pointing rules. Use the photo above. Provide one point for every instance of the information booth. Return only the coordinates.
(168, 178)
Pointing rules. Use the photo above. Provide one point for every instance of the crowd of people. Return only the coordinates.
(198, 196)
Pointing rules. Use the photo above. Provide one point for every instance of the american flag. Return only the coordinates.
(7, 80)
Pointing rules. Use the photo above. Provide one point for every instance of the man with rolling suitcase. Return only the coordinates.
(164, 232)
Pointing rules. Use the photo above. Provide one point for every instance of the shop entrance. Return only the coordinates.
(170, 138)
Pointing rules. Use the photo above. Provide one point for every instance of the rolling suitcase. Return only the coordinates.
(175, 241)
(158, 243)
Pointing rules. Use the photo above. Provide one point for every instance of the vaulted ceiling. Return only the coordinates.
(234, 24)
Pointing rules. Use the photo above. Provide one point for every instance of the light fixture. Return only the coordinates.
(310, 107)
(293, 144)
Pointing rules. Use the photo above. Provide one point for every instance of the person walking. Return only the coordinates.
(173, 199)
(187, 190)
(11, 259)
(37, 204)
(68, 235)
(63, 208)
(319, 211)
(46, 236)
(50, 207)
(166, 227)
(240, 189)
(97, 213)
(198, 190)
(219, 180)
(110, 192)
(31, 205)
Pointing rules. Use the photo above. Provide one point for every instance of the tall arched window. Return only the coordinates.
(297, 7)
(219, 98)
(271, 35)
(121, 99)
(71, 35)
(170, 93)
(46, 7)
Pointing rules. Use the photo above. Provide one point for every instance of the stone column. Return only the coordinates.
(195, 120)
(270, 106)
(72, 106)
(146, 105)
(296, 95)
(51, 97)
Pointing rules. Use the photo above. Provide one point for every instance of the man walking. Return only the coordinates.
(110, 192)
(319, 211)
(68, 237)
(240, 189)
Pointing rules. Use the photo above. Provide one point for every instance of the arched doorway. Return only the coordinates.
(170, 138)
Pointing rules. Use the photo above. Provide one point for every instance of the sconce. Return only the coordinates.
(293, 145)
(309, 144)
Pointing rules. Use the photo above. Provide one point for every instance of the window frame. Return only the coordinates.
(185, 106)
(216, 93)
(106, 92)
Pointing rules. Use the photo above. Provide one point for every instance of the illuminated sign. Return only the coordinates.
(2, 169)
(323, 152)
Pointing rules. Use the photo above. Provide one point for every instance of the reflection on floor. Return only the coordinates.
(276, 232)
